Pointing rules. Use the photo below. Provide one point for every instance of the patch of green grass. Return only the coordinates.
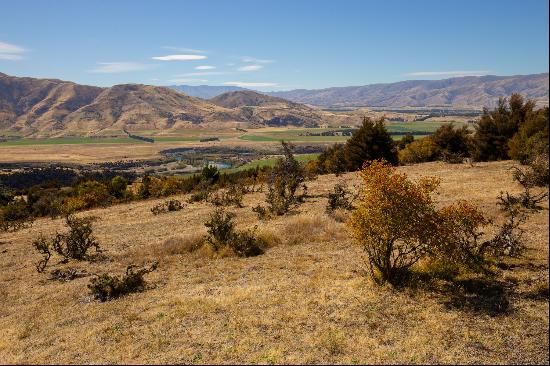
(269, 162)
(71, 141)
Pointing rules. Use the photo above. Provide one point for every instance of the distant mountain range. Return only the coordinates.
(51, 107)
(205, 91)
(462, 92)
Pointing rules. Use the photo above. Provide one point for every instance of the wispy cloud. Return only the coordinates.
(116, 67)
(182, 49)
(11, 52)
(448, 73)
(250, 68)
(188, 81)
(179, 57)
(243, 84)
(203, 73)
(255, 60)
(205, 67)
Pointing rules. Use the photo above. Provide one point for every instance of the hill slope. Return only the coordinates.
(47, 107)
(205, 91)
(307, 300)
(470, 92)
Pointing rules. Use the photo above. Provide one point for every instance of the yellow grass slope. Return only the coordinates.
(306, 300)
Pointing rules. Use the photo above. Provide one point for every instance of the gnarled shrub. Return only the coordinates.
(71, 245)
(106, 287)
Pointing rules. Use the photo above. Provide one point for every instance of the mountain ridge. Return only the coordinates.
(466, 91)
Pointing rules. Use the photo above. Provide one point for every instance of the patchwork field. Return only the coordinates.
(306, 300)
(100, 149)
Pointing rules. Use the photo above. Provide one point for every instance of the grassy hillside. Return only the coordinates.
(306, 300)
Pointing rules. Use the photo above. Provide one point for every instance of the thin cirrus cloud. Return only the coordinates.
(250, 68)
(203, 73)
(243, 84)
(255, 60)
(179, 57)
(116, 67)
(11, 52)
(205, 67)
(182, 49)
(449, 73)
(188, 80)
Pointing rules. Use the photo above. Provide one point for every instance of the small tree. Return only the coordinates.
(372, 141)
(117, 187)
(394, 220)
(497, 127)
(283, 183)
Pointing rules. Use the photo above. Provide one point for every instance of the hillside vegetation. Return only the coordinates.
(307, 299)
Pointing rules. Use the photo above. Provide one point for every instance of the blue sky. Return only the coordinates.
(271, 45)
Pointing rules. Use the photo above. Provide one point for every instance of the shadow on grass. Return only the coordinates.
(480, 294)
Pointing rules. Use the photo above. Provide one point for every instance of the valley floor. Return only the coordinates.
(306, 300)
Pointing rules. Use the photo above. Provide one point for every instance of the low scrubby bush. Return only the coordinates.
(72, 245)
(107, 287)
(339, 198)
(284, 183)
(167, 206)
(232, 196)
(15, 215)
(222, 234)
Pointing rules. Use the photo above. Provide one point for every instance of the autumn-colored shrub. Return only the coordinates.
(394, 219)
(419, 151)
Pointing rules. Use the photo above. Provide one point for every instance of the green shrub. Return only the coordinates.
(117, 187)
(15, 215)
(72, 245)
(339, 198)
(107, 287)
(283, 183)
(167, 206)
(246, 243)
(222, 234)
(405, 140)
(531, 140)
(371, 141)
(497, 127)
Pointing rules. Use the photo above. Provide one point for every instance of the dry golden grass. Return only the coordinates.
(306, 300)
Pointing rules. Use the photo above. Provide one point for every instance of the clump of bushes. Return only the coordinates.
(107, 287)
(15, 215)
(222, 234)
(232, 196)
(339, 198)
(71, 245)
(447, 143)
(371, 141)
(397, 224)
(167, 206)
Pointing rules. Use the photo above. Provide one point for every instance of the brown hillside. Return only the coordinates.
(307, 300)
